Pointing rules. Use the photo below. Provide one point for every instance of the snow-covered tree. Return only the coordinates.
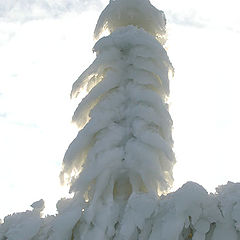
(124, 144)
(119, 166)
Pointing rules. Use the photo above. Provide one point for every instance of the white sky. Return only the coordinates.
(42, 52)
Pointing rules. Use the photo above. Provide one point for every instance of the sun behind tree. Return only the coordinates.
(120, 164)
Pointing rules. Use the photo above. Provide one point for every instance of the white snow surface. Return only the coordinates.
(24, 225)
(188, 213)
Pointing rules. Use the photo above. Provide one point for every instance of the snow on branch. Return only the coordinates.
(124, 123)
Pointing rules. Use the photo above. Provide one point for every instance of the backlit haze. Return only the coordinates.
(45, 47)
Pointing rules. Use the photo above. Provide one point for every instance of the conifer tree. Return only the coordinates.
(124, 144)
(120, 164)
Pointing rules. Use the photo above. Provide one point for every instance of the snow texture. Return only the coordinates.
(124, 144)
(188, 213)
(139, 13)
(125, 126)
(119, 166)
(24, 225)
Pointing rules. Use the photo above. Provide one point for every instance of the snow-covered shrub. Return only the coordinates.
(188, 213)
(23, 225)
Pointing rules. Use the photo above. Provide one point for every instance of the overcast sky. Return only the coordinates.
(44, 47)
